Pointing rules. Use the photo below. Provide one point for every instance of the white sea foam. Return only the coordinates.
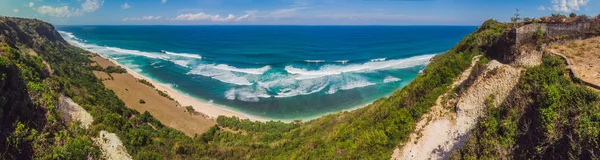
(302, 87)
(137, 53)
(257, 71)
(67, 34)
(246, 94)
(366, 67)
(183, 54)
(314, 61)
(343, 61)
(183, 63)
(389, 79)
(348, 83)
(221, 75)
(378, 60)
(329, 78)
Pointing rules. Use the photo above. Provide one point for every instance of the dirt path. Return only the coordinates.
(583, 57)
(441, 130)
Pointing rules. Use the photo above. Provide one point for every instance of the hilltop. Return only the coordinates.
(531, 116)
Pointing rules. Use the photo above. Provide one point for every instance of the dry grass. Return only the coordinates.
(584, 56)
(166, 111)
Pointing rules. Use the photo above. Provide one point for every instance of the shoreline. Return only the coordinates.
(211, 110)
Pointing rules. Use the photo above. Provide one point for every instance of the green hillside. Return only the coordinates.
(31, 128)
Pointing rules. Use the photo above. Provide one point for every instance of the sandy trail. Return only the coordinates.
(441, 131)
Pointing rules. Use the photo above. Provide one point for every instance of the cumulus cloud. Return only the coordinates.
(210, 17)
(31, 4)
(151, 17)
(16, 10)
(144, 18)
(568, 5)
(63, 11)
(125, 6)
(163, 1)
(92, 5)
(542, 8)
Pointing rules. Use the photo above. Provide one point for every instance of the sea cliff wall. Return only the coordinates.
(513, 48)
(575, 30)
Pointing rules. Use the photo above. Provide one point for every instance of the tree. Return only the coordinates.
(190, 109)
(572, 15)
(527, 19)
(142, 101)
(516, 18)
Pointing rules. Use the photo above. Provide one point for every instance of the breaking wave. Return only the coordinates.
(250, 84)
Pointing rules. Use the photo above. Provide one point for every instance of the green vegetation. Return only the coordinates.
(115, 69)
(549, 116)
(371, 132)
(30, 124)
(142, 101)
(540, 126)
(162, 93)
(143, 81)
(190, 109)
(539, 36)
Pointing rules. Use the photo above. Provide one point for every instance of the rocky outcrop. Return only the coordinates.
(112, 147)
(72, 112)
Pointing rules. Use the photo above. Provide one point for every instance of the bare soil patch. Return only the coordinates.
(584, 56)
(168, 112)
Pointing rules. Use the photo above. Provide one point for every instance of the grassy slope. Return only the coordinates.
(369, 132)
(548, 116)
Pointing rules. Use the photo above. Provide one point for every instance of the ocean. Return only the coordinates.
(274, 72)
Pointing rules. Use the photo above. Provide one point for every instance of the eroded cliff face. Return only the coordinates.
(457, 113)
(523, 47)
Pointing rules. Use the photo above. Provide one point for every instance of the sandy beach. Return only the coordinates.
(209, 109)
(169, 112)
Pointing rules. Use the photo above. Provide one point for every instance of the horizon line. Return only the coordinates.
(342, 25)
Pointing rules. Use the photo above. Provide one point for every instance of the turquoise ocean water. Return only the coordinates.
(275, 72)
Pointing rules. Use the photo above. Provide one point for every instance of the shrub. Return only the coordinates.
(115, 69)
(142, 101)
(143, 81)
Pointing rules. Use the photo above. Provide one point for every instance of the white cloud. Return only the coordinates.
(125, 6)
(151, 17)
(291, 11)
(541, 8)
(568, 5)
(92, 5)
(63, 11)
(246, 16)
(16, 10)
(163, 1)
(211, 17)
(144, 18)
(31, 4)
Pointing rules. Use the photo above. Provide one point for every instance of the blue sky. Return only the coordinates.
(288, 12)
